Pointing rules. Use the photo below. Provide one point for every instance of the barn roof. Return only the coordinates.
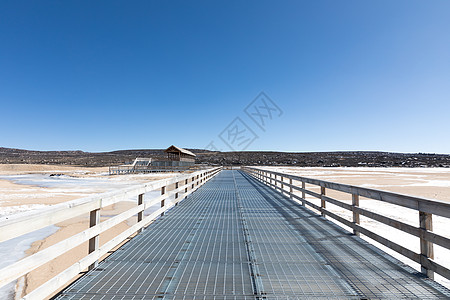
(178, 149)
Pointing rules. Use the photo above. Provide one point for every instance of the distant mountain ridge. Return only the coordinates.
(303, 159)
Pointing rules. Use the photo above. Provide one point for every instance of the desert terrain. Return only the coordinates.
(25, 187)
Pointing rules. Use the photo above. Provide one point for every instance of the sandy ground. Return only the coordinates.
(428, 183)
(15, 198)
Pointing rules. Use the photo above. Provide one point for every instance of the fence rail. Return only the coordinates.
(119, 170)
(21, 224)
(426, 208)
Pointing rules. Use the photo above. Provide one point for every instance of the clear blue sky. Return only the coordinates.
(107, 75)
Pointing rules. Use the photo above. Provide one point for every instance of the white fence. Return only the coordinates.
(21, 224)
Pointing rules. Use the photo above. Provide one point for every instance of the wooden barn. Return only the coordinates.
(175, 153)
(178, 159)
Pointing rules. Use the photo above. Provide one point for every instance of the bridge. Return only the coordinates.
(246, 234)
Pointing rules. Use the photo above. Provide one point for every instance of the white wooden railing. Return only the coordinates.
(426, 208)
(24, 223)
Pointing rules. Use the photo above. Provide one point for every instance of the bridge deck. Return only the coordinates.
(235, 238)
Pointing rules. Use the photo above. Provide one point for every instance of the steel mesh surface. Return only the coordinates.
(235, 238)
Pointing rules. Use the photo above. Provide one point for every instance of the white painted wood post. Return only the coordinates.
(186, 185)
(94, 219)
(426, 247)
(355, 203)
(192, 182)
(176, 194)
(141, 213)
(163, 191)
(322, 200)
(282, 185)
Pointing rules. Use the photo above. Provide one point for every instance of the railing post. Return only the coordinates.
(355, 203)
(282, 185)
(426, 247)
(186, 187)
(303, 193)
(141, 213)
(192, 181)
(94, 219)
(176, 194)
(322, 200)
(290, 189)
(163, 191)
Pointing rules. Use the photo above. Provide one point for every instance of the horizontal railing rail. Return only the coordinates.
(127, 169)
(20, 224)
(426, 208)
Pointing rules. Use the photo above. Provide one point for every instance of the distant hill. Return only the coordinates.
(303, 159)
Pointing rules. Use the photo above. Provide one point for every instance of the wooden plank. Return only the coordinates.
(426, 247)
(355, 206)
(290, 188)
(338, 218)
(394, 246)
(435, 267)
(94, 219)
(323, 203)
(303, 191)
(388, 221)
(436, 239)
(140, 213)
(338, 203)
(317, 207)
(177, 189)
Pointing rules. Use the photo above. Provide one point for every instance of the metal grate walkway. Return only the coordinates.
(235, 238)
